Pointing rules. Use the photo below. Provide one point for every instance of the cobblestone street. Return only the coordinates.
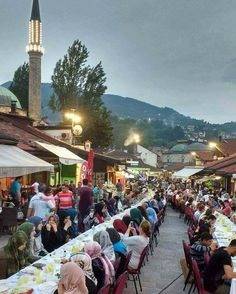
(163, 267)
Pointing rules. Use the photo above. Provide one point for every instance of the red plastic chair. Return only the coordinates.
(197, 278)
(188, 259)
(190, 235)
(128, 257)
(105, 290)
(206, 258)
(136, 272)
(121, 283)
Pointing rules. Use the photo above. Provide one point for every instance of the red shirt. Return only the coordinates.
(65, 200)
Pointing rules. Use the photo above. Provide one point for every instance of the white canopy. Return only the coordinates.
(15, 162)
(65, 156)
(187, 172)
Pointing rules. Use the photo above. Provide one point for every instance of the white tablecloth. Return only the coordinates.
(226, 231)
(45, 281)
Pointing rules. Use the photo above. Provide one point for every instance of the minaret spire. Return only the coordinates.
(35, 51)
(35, 14)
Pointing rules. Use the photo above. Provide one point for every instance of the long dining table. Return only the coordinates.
(225, 231)
(43, 275)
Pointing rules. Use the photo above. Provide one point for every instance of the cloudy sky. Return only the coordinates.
(175, 53)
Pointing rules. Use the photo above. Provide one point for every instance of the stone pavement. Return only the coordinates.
(163, 267)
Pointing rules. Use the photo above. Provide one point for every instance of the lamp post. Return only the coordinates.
(76, 128)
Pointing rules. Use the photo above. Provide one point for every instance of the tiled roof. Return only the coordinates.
(228, 146)
(225, 165)
(20, 129)
(206, 155)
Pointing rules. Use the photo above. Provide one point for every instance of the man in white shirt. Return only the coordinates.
(38, 206)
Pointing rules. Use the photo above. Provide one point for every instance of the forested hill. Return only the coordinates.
(125, 107)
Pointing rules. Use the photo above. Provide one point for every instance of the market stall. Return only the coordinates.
(15, 162)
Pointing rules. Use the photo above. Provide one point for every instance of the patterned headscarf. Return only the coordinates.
(16, 259)
(27, 228)
(84, 261)
(104, 240)
(94, 250)
(152, 216)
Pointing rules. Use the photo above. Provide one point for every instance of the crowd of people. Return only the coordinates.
(200, 208)
(54, 218)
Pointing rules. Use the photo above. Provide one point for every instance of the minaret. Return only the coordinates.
(35, 51)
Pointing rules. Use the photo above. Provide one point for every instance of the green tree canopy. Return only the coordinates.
(80, 86)
(20, 85)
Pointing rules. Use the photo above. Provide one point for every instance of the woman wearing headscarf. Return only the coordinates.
(143, 212)
(120, 226)
(38, 247)
(136, 218)
(72, 280)
(67, 225)
(84, 261)
(51, 234)
(102, 267)
(99, 210)
(120, 249)
(13, 257)
(29, 229)
(152, 216)
(118, 244)
(126, 219)
(104, 240)
(101, 213)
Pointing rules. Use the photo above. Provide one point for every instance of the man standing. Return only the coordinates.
(65, 198)
(15, 191)
(220, 270)
(86, 200)
(38, 206)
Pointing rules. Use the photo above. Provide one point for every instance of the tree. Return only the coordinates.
(79, 86)
(20, 85)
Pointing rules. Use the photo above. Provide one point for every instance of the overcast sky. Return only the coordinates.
(176, 53)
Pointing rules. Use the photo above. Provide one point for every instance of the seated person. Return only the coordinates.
(37, 245)
(220, 269)
(84, 261)
(199, 248)
(102, 267)
(13, 257)
(52, 236)
(72, 279)
(136, 244)
(104, 240)
(90, 220)
(29, 229)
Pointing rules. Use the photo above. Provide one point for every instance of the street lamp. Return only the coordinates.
(76, 129)
(212, 145)
(71, 115)
(136, 138)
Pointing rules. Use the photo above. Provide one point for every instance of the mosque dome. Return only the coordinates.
(180, 147)
(196, 146)
(6, 97)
